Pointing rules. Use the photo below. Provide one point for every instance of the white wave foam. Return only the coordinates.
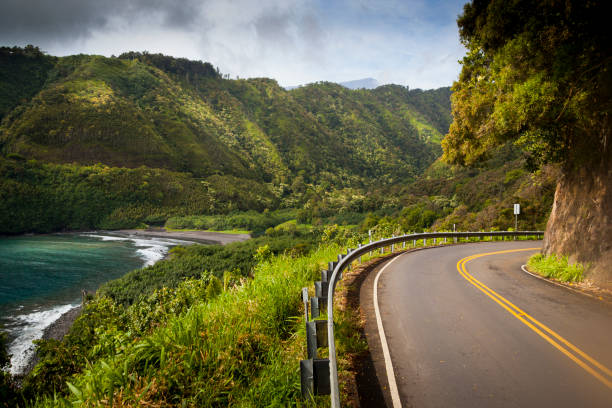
(105, 237)
(150, 249)
(154, 249)
(31, 327)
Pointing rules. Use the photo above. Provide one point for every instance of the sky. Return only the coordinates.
(414, 43)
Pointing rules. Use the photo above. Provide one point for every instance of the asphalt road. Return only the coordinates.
(487, 335)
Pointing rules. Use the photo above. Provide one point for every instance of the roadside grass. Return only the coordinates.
(239, 348)
(556, 267)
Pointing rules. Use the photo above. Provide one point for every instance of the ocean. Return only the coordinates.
(42, 277)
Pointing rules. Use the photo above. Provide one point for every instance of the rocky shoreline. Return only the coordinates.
(56, 331)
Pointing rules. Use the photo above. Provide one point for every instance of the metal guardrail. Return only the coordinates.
(315, 370)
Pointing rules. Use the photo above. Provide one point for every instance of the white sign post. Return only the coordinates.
(517, 211)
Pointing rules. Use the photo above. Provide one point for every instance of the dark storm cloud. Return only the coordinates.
(61, 20)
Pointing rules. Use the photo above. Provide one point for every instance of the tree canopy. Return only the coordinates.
(536, 73)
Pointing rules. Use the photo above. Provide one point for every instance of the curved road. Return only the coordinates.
(482, 333)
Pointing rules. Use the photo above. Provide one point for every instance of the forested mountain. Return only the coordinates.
(160, 112)
(92, 122)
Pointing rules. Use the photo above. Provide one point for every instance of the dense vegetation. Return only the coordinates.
(42, 197)
(232, 261)
(173, 138)
(537, 74)
(137, 345)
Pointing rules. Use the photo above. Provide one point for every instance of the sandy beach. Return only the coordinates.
(203, 237)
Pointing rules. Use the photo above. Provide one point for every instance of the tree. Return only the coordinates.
(538, 74)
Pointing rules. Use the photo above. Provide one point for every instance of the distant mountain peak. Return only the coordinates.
(366, 83)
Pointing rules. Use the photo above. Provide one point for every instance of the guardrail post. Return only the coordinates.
(359, 255)
(305, 301)
(321, 289)
(316, 305)
(316, 336)
(314, 377)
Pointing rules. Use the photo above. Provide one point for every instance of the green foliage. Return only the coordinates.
(9, 395)
(5, 357)
(195, 344)
(163, 112)
(191, 71)
(249, 220)
(556, 267)
(537, 74)
(43, 197)
(23, 72)
(482, 198)
(196, 261)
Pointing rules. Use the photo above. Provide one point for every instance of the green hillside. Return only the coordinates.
(251, 138)
(150, 110)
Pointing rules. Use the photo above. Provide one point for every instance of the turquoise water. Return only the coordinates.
(42, 277)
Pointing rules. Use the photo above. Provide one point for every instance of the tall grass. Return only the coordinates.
(240, 348)
(556, 267)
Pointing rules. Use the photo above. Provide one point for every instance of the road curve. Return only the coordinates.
(482, 333)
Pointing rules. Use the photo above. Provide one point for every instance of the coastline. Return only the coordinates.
(56, 331)
(61, 326)
(201, 237)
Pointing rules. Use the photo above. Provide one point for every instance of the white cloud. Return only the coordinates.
(412, 43)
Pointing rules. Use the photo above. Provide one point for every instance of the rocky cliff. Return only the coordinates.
(580, 224)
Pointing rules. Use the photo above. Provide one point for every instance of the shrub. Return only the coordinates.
(556, 267)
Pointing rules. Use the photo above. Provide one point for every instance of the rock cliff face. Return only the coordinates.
(580, 224)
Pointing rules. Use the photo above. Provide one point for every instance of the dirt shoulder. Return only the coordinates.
(361, 378)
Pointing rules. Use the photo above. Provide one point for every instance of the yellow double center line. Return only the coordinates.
(592, 366)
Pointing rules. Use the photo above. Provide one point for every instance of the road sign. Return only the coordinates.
(517, 209)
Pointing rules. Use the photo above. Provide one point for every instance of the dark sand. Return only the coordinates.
(205, 237)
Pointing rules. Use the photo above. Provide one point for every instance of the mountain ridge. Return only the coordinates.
(140, 109)
(137, 130)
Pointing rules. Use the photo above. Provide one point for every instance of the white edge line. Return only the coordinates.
(385, 348)
(523, 267)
